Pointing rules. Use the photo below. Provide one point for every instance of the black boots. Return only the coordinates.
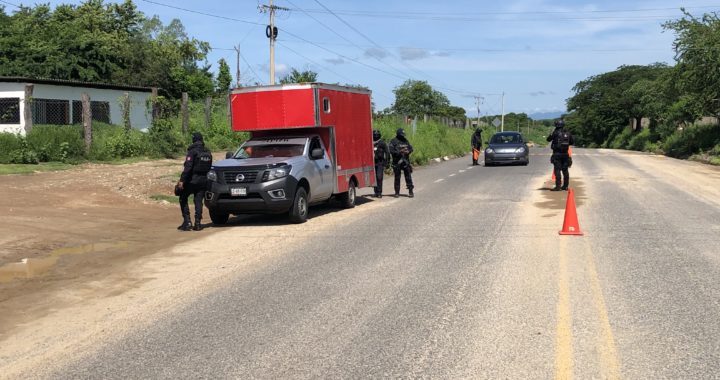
(198, 226)
(411, 194)
(185, 226)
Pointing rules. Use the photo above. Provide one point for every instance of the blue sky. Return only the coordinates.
(534, 51)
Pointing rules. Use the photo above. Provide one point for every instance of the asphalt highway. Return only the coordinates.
(469, 279)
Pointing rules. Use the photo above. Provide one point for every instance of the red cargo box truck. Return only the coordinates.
(309, 143)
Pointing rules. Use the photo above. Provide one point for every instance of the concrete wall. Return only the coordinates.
(140, 115)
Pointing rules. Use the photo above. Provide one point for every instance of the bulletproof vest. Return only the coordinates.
(563, 141)
(203, 162)
(403, 148)
(379, 152)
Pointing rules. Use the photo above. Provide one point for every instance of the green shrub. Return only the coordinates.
(621, 140)
(24, 154)
(691, 140)
(166, 140)
(47, 141)
(113, 142)
(640, 141)
(9, 143)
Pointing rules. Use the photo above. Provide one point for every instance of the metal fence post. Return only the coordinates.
(87, 121)
(27, 112)
(208, 111)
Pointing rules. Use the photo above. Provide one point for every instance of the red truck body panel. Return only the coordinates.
(341, 116)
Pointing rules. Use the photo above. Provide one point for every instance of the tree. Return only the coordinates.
(296, 76)
(606, 103)
(418, 98)
(698, 62)
(99, 42)
(224, 79)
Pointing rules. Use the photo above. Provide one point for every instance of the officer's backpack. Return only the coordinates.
(203, 162)
(563, 141)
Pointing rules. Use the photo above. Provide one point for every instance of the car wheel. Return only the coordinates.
(299, 209)
(348, 199)
(219, 217)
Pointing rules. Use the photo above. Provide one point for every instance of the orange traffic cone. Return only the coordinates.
(570, 151)
(553, 176)
(570, 225)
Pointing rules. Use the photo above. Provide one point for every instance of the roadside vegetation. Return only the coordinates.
(671, 110)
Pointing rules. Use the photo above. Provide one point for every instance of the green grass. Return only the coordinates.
(29, 169)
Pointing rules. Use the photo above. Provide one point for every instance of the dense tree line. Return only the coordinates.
(108, 43)
(672, 98)
(417, 98)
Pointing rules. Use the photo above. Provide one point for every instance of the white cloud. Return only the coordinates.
(375, 53)
(412, 54)
(336, 61)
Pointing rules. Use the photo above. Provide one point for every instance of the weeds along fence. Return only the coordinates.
(59, 137)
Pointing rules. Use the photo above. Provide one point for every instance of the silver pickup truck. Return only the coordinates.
(273, 175)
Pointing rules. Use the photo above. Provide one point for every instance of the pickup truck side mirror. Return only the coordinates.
(229, 154)
(317, 153)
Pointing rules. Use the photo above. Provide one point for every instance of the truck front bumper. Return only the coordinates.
(271, 197)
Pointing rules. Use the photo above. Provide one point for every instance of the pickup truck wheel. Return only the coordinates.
(348, 199)
(299, 209)
(219, 217)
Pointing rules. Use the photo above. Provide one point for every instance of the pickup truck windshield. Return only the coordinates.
(270, 150)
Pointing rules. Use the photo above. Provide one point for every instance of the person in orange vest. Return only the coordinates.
(476, 145)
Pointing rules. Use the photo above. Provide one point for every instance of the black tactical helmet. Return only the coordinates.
(376, 135)
(401, 132)
(197, 136)
(559, 123)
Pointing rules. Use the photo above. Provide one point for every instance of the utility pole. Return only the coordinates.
(271, 32)
(478, 101)
(237, 67)
(502, 118)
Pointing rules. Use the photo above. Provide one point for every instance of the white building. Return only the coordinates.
(58, 102)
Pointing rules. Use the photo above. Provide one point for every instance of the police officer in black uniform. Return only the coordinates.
(382, 160)
(561, 139)
(400, 149)
(193, 180)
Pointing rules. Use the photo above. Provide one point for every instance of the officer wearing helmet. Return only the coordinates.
(193, 181)
(382, 160)
(560, 141)
(400, 149)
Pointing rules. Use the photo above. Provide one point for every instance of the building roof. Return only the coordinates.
(73, 83)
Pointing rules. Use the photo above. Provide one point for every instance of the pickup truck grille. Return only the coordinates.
(231, 177)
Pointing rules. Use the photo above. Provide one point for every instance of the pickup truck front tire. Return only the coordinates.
(299, 209)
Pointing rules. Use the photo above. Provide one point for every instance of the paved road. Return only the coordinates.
(467, 280)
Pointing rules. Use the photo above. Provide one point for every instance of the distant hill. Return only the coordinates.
(546, 115)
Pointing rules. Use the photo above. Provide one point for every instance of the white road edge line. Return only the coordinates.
(439, 180)
(452, 175)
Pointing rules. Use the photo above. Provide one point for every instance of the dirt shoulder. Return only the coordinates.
(74, 225)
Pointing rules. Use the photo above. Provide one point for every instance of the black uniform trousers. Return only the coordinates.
(379, 174)
(198, 191)
(561, 163)
(407, 171)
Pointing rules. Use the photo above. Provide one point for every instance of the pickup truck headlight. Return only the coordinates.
(212, 176)
(520, 150)
(276, 173)
(489, 151)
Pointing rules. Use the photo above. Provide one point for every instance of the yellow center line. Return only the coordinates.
(608, 351)
(563, 336)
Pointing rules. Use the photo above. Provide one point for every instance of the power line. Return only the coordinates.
(431, 14)
(203, 13)
(343, 37)
(8, 3)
